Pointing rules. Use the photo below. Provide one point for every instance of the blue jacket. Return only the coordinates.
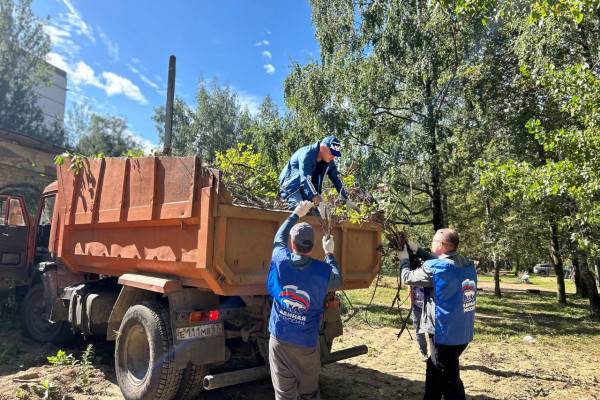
(304, 173)
(449, 309)
(298, 286)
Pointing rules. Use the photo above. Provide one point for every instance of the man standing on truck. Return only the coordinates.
(302, 177)
(298, 285)
(448, 314)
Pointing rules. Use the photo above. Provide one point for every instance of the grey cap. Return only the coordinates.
(303, 236)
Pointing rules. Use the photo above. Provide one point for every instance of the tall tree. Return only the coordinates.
(23, 49)
(107, 135)
(216, 123)
(388, 80)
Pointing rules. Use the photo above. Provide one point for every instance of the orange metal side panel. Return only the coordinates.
(175, 186)
(142, 186)
(110, 207)
(86, 193)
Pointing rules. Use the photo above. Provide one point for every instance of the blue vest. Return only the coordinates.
(455, 292)
(298, 297)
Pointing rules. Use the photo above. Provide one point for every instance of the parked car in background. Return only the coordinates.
(542, 269)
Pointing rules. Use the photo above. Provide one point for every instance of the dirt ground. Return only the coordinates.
(391, 370)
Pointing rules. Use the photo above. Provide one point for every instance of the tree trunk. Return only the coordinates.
(556, 261)
(589, 282)
(437, 206)
(597, 266)
(517, 266)
(497, 291)
(580, 289)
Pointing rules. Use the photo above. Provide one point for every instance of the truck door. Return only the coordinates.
(14, 229)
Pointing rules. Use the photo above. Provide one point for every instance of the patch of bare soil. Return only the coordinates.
(391, 370)
(26, 374)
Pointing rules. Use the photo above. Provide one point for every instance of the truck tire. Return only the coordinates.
(36, 327)
(191, 382)
(144, 354)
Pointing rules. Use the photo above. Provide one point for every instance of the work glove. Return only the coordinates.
(328, 244)
(413, 246)
(402, 254)
(303, 208)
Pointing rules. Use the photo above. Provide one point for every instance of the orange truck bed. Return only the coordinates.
(169, 216)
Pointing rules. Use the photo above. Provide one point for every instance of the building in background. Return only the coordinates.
(52, 98)
(26, 166)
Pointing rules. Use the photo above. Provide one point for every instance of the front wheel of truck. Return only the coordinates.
(36, 325)
(144, 354)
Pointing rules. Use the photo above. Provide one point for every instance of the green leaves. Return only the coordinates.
(249, 175)
(62, 358)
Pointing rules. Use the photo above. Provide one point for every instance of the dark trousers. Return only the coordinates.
(443, 373)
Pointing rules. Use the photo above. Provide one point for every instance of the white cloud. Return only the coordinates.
(112, 48)
(268, 32)
(84, 74)
(144, 78)
(266, 54)
(111, 83)
(58, 61)
(269, 69)
(74, 21)
(249, 101)
(263, 43)
(147, 145)
(61, 40)
(135, 60)
(116, 84)
(148, 82)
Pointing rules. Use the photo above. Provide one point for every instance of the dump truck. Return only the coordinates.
(152, 253)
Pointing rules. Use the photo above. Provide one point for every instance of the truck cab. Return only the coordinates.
(24, 240)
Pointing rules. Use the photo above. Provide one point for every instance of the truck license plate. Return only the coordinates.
(199, 331)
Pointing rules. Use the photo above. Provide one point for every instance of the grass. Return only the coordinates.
(508, 318)
(547, 282)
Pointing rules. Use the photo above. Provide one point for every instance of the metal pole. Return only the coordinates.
(169, 108)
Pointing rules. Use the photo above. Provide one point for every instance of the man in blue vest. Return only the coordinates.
(448, 316)
(302, 177)
(298, 285)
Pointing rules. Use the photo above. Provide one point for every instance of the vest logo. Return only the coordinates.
(469, 292)
(295, 299)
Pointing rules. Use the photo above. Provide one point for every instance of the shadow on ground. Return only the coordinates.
(340, 381)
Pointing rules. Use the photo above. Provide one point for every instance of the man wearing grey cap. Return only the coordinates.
(298, 285)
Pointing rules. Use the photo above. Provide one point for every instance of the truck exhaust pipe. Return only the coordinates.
(232, 378)
(346, 353)
(218, 381)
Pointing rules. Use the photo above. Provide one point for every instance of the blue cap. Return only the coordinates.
(334, 145)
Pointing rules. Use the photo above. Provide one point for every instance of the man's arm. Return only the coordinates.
(334, 176)
(419, 277)
(424, 254)
(283, 233)
(335, 277)
(307, 166)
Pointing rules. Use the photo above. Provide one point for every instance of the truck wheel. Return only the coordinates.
(36, 326)
(144, 354)
(191, 382)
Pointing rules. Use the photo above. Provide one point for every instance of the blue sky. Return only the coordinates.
(116, 52)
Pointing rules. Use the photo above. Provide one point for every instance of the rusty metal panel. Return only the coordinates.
(142, 186)
(175, 186)
(66, 183)
(110, 204)
(86, 192)
(151, 283)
